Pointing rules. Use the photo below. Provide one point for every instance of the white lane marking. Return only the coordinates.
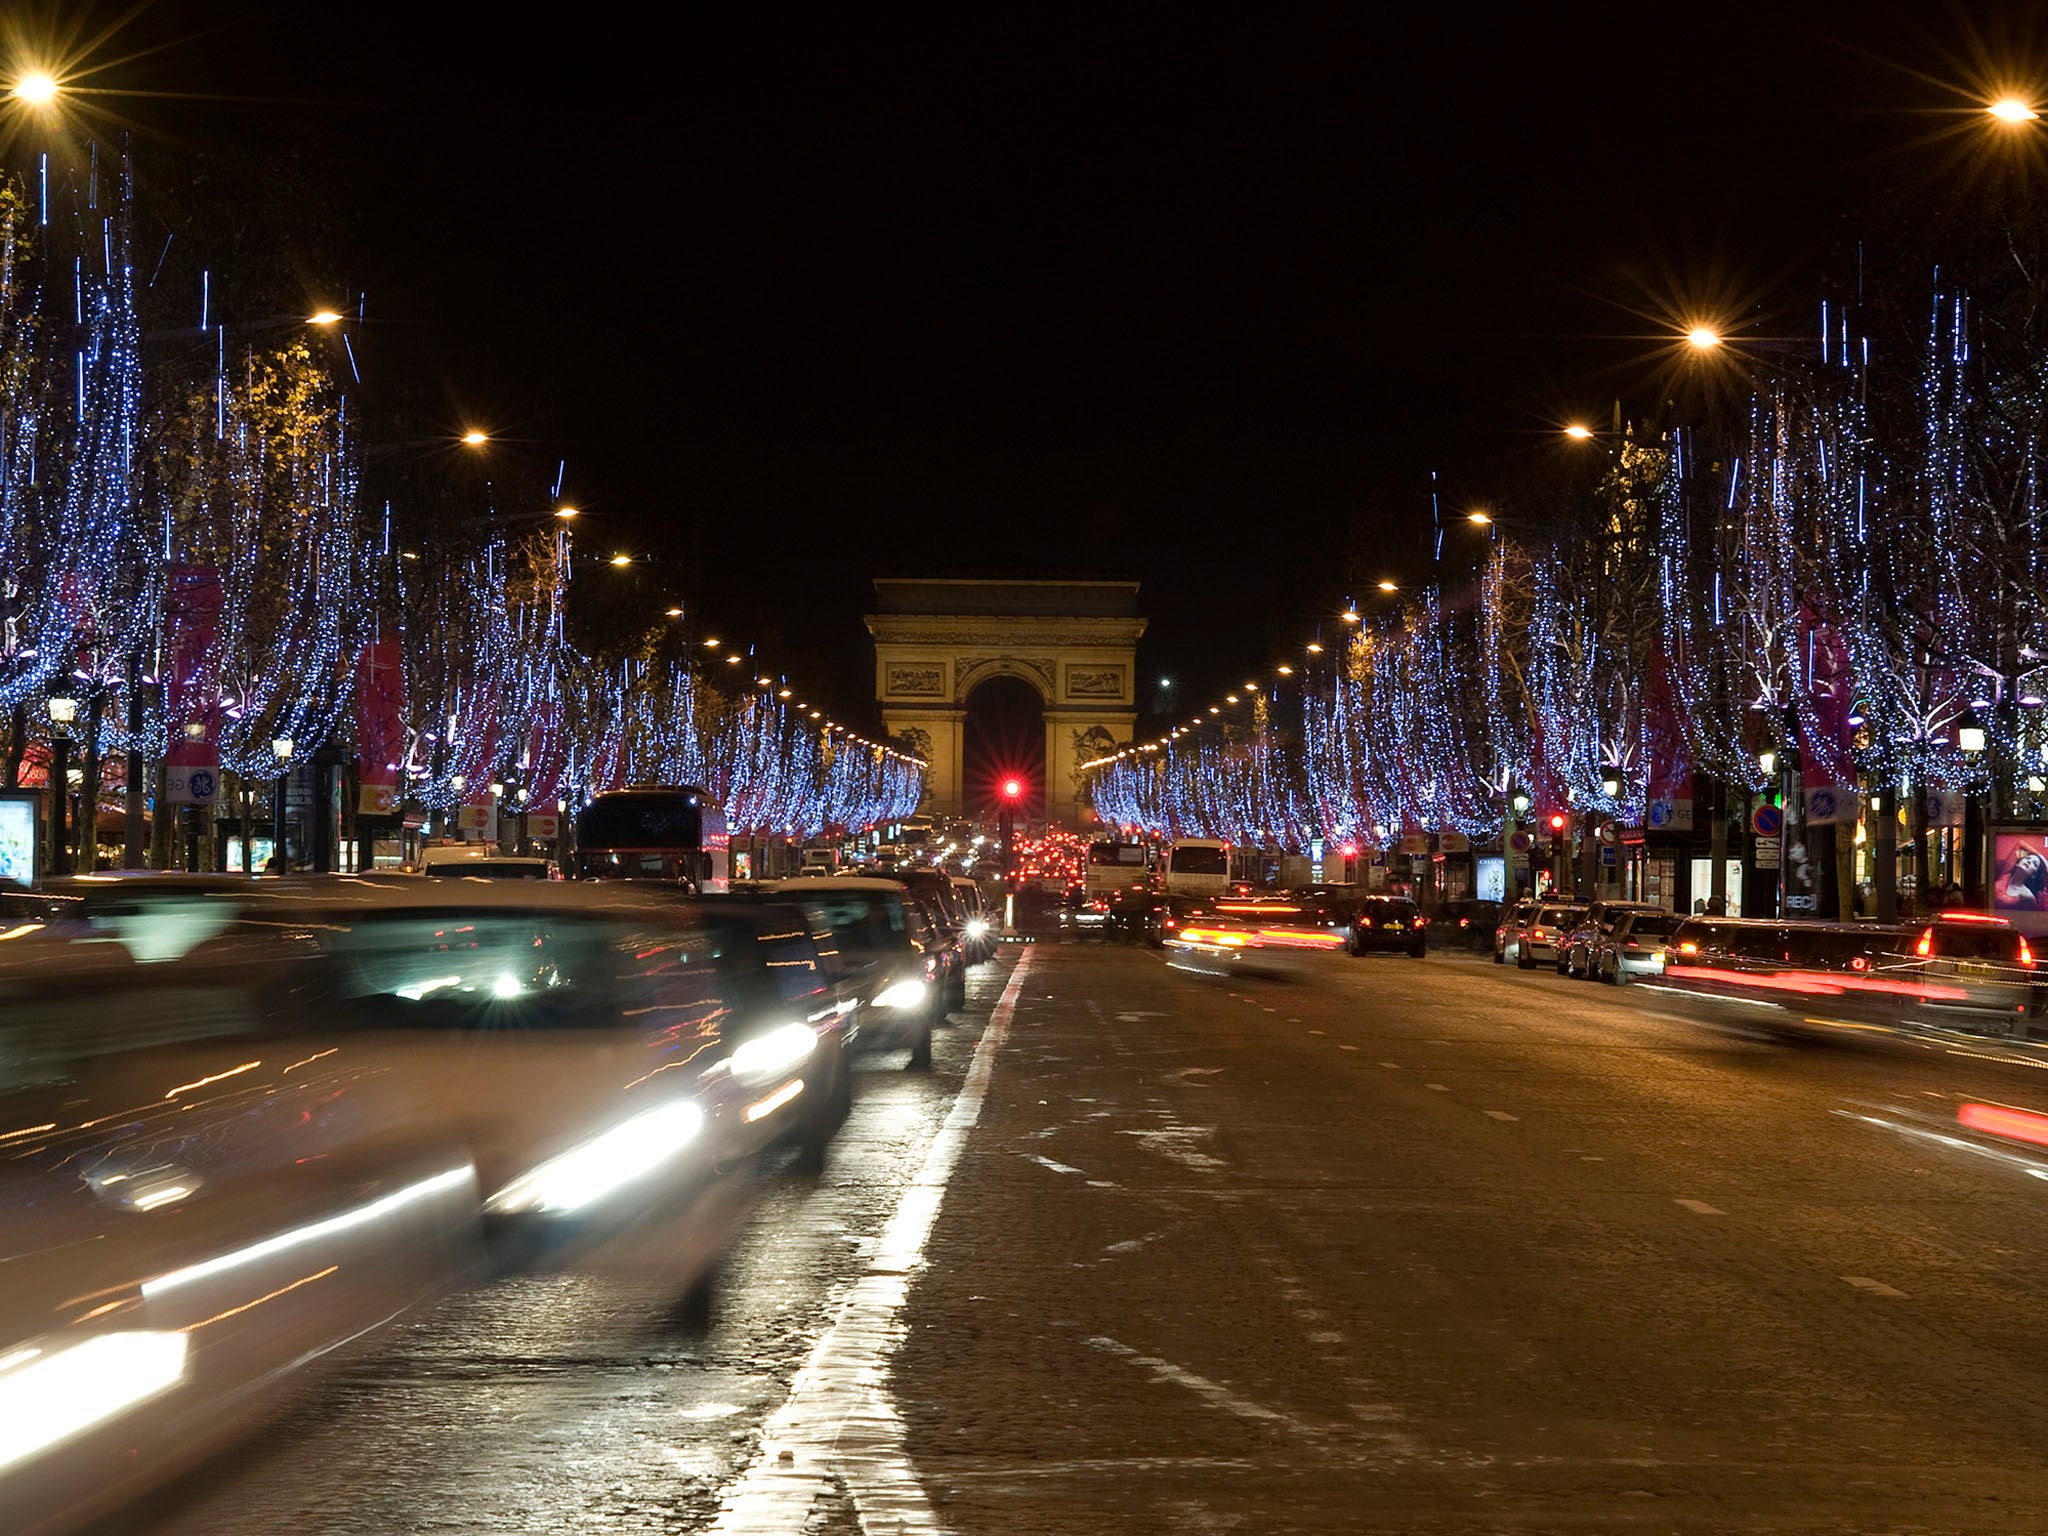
(838, 1420)
(1315, 1031)
(1046, 1162)
(1392, 1066)
(1439, 1087)
(1176, 1143)
(1875, 1287)
(1213, 1393)
(1501, 1114)
(1137, 1017)
(1347, 1047)
(1701, 1208)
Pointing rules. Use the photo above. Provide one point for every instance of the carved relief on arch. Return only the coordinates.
(970, 672)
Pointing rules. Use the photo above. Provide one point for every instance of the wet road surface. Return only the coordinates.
(1412, 1246)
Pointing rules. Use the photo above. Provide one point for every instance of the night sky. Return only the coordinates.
(808, 299)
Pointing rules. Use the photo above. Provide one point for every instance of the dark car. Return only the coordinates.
(1136, 913)
(1465, 923)
(1388, 922)
(867, 932)
(933, 889)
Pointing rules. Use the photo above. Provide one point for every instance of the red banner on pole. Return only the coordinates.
(192, 604)
(380, 725)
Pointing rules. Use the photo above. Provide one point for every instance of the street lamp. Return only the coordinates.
(62, 712)
(281, 751)
(568, 514)
(2008, 109)
(1480, 519)
(38, 88)
(475, 439)
(1971, 741)
(622, 560)
(324, 317)
(1578, 433)
(1388, 586)
(1703, 338)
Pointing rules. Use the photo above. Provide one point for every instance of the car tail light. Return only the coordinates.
(1926, 945)
(1365, 922)
(1858, 963)
(1538, 933)
(2026, 953)
(1464, 922)
(1688, 948)
(1630, 944)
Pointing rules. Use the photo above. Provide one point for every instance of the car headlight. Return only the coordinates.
(773, 1053)
(50, 1393)
(976, 927)
(903, 994)
(593, 1170)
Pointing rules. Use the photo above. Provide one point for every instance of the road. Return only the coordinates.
(1416, 1246)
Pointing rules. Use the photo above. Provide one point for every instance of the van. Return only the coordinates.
(1198, 866)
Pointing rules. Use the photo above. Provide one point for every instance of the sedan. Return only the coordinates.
(1635, 947)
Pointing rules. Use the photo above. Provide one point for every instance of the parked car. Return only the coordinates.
(1465, 923)
(1550, 922)
(1575, 949)
(867, 932)
(1635, 946)
(1507, 937)
(480, 861)
(1388, 922)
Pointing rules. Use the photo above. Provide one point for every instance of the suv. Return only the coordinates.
(1388, 922)
(1465, 923)
(1546, 929)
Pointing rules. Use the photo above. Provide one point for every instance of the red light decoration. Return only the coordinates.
(1999, 1120)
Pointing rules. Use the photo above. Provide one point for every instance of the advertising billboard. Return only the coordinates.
(2019, 877)
(21, 828)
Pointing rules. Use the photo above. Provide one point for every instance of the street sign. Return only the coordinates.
(1453, 842)
(1609, 833)
(1767, 849)
(192, 783)
(1521, 841)
(1944, 809)
(1767, 821)
(1607, 857)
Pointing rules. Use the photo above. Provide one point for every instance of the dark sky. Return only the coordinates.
(806, 299)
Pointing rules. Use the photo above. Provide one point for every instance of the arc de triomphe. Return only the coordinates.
(1073, 641)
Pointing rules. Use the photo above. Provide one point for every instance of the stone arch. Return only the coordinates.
(1075, 642)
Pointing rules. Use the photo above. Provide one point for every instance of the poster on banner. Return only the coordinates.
(479, 816)
(1453, 842)
(377, 800)
(545, 825)
(2019, 878)
(192, 783)
(1671, 815)
(1414, 843)
(1944, 808)
(1828, 804)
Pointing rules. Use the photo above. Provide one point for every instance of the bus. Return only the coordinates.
(677, 835)
(1197, 866)
(1111, 866)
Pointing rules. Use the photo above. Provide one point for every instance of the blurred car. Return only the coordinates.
(1388, 922)
(1634, 947)
(866, 932)
(948, 929)
(1985, 958)
(480, 861)
(1264, 936)
(1137, 913)
(1575, 949)
(1507, 937)
(980, 931)
(1547, 926)
(1466, 923)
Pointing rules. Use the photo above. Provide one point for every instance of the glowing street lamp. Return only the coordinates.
(475, 439)
(1578, 433)
(1703, 338)
(1388, 586)
(622, 560)
(2007, 109)
(1478, 519)
(37, 88)
(568, 514)
(324, 317)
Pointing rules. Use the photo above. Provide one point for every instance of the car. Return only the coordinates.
(1137, 913)
(947, 923)
(1263, 936)
(1507, 937)
(1987, 961)
(1548, 924)
(1634, 947)
(1464, 923)
(866, 930)
(1388, 922)
(1575, 949)
(980, 932)
(480, 861)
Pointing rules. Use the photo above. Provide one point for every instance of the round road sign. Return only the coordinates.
(1768, 821)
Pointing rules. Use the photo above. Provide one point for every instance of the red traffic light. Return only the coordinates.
(1013, 789)
(1557, 821)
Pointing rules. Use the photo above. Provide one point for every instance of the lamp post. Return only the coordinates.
(62, 712)
(281, 751)
(1971, 742)
(1521, 824)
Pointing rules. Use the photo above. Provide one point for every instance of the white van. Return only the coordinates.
(1197, 866)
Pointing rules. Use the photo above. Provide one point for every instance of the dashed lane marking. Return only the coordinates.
(1347, 1047)
(839, 1422)
(1046, 1162)
(1701, 1208)
(1501, 1114)
(1875, 1287)
(1439, 1087)
(1392, 1066)
(1215, 1394)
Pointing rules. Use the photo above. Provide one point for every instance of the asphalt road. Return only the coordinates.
(1417, 1246)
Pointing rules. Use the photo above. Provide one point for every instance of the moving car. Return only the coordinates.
(1507, 938)
(948, 928)
(1388, 922)
(866, 932)
(1266, 936)
(480, 861)
(980, 932)
(1465, 923)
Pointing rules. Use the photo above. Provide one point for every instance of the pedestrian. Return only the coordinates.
(1717, 906)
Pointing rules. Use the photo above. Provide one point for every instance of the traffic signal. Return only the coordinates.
(1557, 821)
(1013, 789)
